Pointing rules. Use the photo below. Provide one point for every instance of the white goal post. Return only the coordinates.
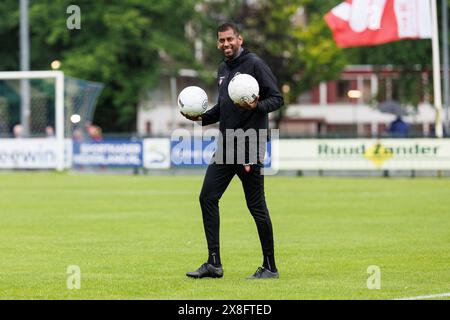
(59, 104)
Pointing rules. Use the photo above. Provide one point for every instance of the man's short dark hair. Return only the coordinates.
(228, 25)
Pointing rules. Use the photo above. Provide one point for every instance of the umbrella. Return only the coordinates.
(393, 107)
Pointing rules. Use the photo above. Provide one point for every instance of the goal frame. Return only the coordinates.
(59, 103)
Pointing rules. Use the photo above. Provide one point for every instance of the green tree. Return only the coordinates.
(290, 35)
(410, 58)
(9, 35)
(123, 44)
(294, 39)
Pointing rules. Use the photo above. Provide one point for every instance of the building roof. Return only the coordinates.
(347, 114)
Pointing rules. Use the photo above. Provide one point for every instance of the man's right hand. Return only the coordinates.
(196, 118)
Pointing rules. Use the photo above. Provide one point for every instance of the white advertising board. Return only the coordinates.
(33, 153)
(364, 154)
(156, 153)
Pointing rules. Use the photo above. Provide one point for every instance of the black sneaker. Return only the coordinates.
(206, 270)
(263, 273)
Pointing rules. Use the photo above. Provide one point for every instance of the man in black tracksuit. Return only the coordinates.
(240, 150)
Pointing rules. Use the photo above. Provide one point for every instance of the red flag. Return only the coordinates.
(371, 22)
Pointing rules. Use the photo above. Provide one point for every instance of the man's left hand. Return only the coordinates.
(249, 105)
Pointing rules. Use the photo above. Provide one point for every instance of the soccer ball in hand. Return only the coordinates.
(193, 101)
(243, 88)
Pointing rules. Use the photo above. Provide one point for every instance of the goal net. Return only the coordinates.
(40, 112)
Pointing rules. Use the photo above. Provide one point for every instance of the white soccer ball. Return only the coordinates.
(243, 88)
(193, 101)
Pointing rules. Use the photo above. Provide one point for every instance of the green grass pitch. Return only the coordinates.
(134, 237)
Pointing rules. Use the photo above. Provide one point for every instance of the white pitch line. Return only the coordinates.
(441, 295)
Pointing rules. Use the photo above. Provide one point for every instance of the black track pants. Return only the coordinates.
(217, 179)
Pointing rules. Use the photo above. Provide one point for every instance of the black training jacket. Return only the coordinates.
(234, 117)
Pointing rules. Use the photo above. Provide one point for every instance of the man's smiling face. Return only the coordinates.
(229, 43)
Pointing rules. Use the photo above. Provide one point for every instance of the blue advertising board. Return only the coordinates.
(197, 152)
(109, 153)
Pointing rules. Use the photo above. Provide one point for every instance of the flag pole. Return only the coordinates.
(436, 71)
(24, 66)
(445, 68)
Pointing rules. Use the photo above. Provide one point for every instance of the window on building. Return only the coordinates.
(305, 98)
(367, 91)
(343, 87)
